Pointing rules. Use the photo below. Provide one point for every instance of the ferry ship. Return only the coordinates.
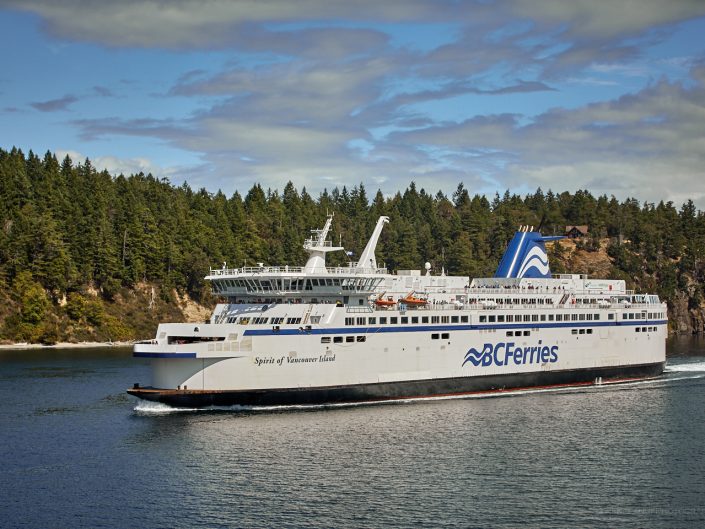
(317, 334)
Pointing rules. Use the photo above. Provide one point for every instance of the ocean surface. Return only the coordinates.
(76, 451)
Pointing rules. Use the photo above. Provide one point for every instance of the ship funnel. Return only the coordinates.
(526, 255)
(367, 258)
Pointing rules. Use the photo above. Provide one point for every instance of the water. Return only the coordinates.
(76, 451)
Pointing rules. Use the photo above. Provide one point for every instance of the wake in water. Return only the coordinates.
(686, 367)
(147, 407)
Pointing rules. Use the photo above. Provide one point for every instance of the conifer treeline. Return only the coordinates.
(64, 226)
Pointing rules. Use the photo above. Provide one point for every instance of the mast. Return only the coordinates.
(317, 246)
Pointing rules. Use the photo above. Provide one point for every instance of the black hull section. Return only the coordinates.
(395, 390)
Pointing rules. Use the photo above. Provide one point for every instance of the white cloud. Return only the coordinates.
(215, 23)
(303, 115)
(650, 145)
(607, 18)
(116, 166)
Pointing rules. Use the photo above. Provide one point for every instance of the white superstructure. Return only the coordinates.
(317, 334)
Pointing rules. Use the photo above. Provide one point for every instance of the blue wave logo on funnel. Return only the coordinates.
(526, 256)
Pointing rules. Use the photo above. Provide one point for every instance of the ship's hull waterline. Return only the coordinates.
(401, 390)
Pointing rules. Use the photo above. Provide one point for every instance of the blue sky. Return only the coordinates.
(602, 95)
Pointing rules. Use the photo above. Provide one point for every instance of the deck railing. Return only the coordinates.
(292, 270)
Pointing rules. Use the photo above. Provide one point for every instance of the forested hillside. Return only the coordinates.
(88, 255)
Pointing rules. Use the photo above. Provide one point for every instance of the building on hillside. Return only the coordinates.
(574, 232)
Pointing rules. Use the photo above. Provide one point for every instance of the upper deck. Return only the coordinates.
(286, 281)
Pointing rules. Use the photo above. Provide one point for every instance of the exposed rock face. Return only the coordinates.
(685, 320)
(192, 311)
(681, 321)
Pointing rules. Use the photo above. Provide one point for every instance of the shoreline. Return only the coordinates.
(63, 345)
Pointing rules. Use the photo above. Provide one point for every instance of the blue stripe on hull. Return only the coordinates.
(466, 327)
(163, 355)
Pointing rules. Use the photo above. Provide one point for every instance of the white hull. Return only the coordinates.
(257, 358)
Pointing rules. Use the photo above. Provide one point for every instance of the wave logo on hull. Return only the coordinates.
(507, 353)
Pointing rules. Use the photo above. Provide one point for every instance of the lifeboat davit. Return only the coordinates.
(414, 301)
(382, 302)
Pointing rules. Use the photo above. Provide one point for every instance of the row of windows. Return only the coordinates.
(509, 318)
(581, 331)
(446, 336)
(484, 318)
(443, 336)
(263, 321)
(634, 315)
(404, 320)
(350, 339)
(643, 316)
(538, 301)
(294, 285)
(513, 301)
(339, 339)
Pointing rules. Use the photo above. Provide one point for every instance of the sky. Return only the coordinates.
(603, 95)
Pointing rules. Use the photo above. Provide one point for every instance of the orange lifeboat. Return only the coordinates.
(414, 301)
(382, 302)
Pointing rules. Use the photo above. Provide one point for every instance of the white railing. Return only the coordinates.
(479, 306)
(311, 243)
(545, 290)
(293, 270)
